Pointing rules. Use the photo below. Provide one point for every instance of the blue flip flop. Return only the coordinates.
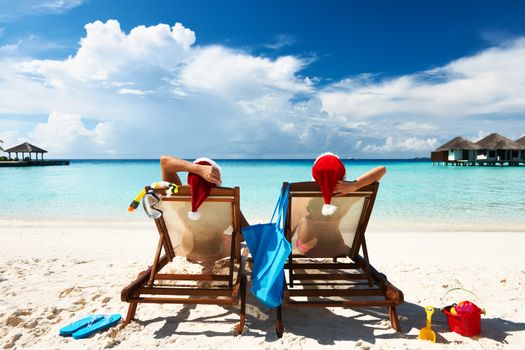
(75, 326)
(102, 324)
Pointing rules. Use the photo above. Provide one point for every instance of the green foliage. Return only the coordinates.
(3, 158)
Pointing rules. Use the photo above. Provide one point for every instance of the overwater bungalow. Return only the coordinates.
(457, 149)
(495, 149)
(498, 148)
(23, 156)
(521, 141)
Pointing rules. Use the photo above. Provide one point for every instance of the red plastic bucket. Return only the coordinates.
(466, 324)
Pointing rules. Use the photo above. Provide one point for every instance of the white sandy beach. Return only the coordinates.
(52, 274)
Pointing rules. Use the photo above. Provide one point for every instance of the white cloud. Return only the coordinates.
(281, 40)
(410, 144)
(26, 46)
(492, 81)
(481, 134)
(106, 52)
(136, 92)
(153, 90)
(63, 132)
(18, 8)
(227, 72)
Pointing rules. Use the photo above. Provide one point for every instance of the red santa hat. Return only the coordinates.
(200, 188)
(327, 170)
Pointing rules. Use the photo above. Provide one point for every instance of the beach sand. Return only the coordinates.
(55, 273)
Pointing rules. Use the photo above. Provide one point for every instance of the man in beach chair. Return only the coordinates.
(201, 222)
(327, 234)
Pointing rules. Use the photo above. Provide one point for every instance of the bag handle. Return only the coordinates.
(478, 300)
(283, 209)
(278, 205)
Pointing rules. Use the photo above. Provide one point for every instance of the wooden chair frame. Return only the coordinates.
(146, 289)
(357, 273)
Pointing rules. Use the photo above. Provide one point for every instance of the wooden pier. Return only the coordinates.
(20, 163)
(480, 163)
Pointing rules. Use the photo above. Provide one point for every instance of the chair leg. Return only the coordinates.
(279, 323)
(394, 320)
(240, 326)
(131, 313)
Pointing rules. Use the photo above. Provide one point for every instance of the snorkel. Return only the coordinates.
(172, 189)
(135, 203)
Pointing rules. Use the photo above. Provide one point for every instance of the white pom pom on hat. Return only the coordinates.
(328, 209)
(194, 215)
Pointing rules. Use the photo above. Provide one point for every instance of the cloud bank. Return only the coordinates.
(154, 90)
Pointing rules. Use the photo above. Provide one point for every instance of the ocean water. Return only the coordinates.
(411, 192)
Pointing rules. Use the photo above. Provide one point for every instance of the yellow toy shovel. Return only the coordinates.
(427, 333)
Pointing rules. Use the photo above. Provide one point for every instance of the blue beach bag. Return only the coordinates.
(270, 249)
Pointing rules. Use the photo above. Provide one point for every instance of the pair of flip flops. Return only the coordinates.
(83, 328)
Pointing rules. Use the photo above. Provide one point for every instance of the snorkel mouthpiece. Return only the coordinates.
(134, 205)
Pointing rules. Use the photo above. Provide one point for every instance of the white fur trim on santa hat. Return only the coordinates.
(212, 162)
(194, 215)
(328, 209)
(326, 154)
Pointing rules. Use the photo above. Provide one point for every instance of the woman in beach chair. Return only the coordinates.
(203, 167)
(201, 222)
(329, 173)
(325, 268)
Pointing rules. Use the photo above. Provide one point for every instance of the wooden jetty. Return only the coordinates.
(26, 150)
(480, 163)
(14, 163)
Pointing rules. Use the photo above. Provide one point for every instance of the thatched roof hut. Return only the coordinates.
(521, 141)
(496, 141)
(458, 143)
(26, 148)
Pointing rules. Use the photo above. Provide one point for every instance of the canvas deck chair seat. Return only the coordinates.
(214, 239)
(325, 268)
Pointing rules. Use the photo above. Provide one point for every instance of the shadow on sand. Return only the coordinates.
(326, 327)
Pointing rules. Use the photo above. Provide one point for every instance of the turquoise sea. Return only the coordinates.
(412, 191)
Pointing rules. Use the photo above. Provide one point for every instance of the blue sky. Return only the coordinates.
(367, 79)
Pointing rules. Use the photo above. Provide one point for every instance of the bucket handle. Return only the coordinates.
(465, 290)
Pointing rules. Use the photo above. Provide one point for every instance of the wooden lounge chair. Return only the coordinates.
(325, 268)
(214, 237)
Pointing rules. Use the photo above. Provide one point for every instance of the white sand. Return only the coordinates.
(52, 274)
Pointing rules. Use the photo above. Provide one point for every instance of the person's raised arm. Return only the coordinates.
(170, 166)
(365, 179)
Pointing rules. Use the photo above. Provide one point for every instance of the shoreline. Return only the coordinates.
(374, 225)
